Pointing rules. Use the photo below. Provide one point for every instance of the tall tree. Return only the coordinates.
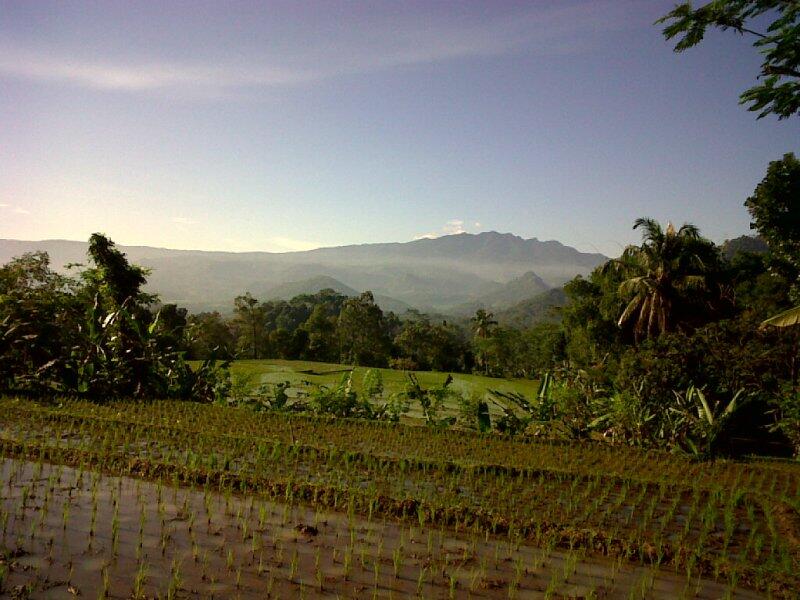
(482, 323)
(590, 317)
(775, 210)
(121, 348)
(431, 346)
(39, 321)
(321, 328)
(210, 336)
(779, 90)
(112, 276)
(363, 338)
(661, 273)
(251, 322)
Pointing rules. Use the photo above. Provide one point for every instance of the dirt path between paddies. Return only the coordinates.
(67, 533)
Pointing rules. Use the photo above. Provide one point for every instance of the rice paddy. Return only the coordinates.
(171, 499)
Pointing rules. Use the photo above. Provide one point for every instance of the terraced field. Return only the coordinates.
(173, 498)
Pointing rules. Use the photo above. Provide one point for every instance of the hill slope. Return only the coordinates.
(539, 309)
(431, 274)
(520, 288)
(290, 289)
(744, 243)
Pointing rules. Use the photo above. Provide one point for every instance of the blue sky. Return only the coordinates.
(290, 125)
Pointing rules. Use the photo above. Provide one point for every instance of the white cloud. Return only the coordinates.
(477, 224)
(4, 205)
(140, 77)
(451, 227)
(183, 221)
(21, 211)
(376, 45)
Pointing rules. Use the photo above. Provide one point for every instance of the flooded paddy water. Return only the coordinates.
(68, 532)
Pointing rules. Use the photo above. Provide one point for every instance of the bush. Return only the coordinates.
(403, 363)
(787, 411)
(97, 335)
(473, 412)
(722, 361)
(431, 400)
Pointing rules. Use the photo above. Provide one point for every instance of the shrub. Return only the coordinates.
(787, 411)
(403, 363)
(474, 412)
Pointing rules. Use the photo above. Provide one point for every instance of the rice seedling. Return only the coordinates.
(647, 508)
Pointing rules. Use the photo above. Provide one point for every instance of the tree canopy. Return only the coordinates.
(98, 334)
(775, 210)
(778, 91)
(668, 272)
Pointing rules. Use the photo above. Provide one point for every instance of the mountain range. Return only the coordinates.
(453, 274)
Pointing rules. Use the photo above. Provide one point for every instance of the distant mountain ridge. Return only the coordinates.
(744, 243)
(526, 286)
(288, 290)
(438, 274)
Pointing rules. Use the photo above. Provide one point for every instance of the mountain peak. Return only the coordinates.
(530, 277)
(497, 234)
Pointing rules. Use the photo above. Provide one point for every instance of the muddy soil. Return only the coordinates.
(68, 533)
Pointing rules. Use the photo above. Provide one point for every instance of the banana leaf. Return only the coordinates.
(785, 319)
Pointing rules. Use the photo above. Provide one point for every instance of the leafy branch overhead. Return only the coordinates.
(778, 42)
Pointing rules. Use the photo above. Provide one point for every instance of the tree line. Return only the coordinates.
(674, 322)
(330, 327)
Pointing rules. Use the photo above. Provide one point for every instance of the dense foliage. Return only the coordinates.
(775, 209)
(97, 334)
(666, 345)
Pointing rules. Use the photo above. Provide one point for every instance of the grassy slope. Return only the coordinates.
(297, 372)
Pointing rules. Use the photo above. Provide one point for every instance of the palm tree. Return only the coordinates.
(483, 322)
(670, 265)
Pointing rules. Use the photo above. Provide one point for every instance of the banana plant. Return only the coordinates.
(706, 421)
(431, 400)
(787, 318)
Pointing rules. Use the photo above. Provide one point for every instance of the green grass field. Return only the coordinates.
(300, 373)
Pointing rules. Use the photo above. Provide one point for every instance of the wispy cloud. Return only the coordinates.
(452, 227)
(17, 210)
(183, 221)
(378, 45)
(122, 76)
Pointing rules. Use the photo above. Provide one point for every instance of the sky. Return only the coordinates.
(282, 126)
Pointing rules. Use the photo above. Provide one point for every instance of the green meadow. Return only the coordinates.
(298, 372)
(302, 375)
